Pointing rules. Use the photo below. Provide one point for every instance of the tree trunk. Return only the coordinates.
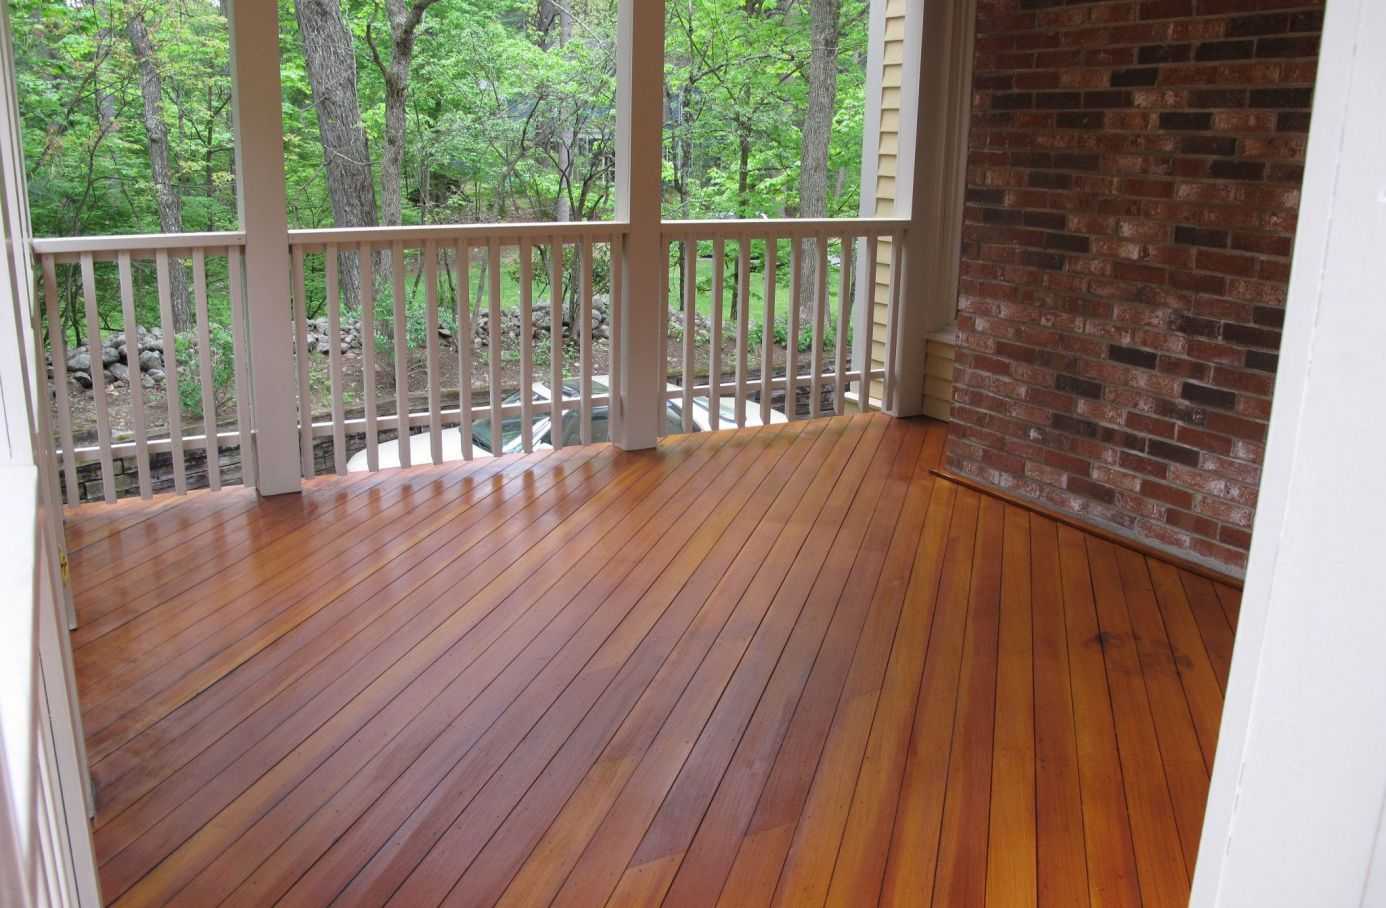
(405, 19)
(563, 210)
(825, 18)
(743, 201)
(165, 194)
(330, 57)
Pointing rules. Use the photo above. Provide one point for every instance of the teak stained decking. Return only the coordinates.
(776, 665)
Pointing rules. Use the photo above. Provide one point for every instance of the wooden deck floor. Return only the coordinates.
(781, 665)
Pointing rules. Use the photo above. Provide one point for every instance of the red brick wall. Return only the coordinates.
(1133, 180)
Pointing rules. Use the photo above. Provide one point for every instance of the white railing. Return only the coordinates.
(72, 263)
(407, 319)
(412, 256)
(854, 326)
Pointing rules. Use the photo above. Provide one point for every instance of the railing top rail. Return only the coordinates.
(784, 227)
(135, 242)
(346, 236)
(146, 243)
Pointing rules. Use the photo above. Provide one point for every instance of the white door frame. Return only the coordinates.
(1294, 812)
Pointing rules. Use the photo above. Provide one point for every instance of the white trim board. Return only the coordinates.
(1294, 812)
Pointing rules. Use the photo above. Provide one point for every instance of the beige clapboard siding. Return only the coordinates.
(938, 389)
(938, 378)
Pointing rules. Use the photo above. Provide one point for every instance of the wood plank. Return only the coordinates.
(1163, 874)
(707, 859)
(784, 663)
(315, 811)
(1106, 826)
(268, 734)
(617, 589)
(962, 850)
(1091, 529)
(1185, 771)
(682, 592)
(823, 726)
(198, 627)
(1061, 872)
(1202, 686)
(738, 737)
(756, 632)
(352, 733)
(1213, 624)
(919, 812)
(1011, 862)
(1231, 600)
(878, 771)
(325, 645)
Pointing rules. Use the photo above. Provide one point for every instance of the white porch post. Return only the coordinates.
(865, 294)
(1296, 810)
(935, 106)
(259, 140)
(639, 162)
(46, 854)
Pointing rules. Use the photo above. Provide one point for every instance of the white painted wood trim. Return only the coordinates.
(767, 339)
(781, 227)
(105, 247)
(399, 313)
(526, 347)
(555, 340)
(494, 340)
(934, 111)
(172, 397)
(414, 236)
(204, 368)
(870, 161)
(46, 855)
(585, 342)
(639, 166)
(743, 320)
(464, 350)
(127, 307)
(431, 354)
(257, 112)
(1294, 813)
(690, 312)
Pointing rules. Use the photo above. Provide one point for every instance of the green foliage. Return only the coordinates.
(190, 374)
(737, 80)
(493, 101)
(756, 334)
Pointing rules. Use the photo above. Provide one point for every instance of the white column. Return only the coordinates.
(1295, 811)
(865, 295)
(639, 162)
(259, 131)
(46, 854)
(935, 104)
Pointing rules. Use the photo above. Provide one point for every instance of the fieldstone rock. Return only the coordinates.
(147, 382)
(157, 374)
(119, 372)
(82, 378)
(109, 355)
(151, 359)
